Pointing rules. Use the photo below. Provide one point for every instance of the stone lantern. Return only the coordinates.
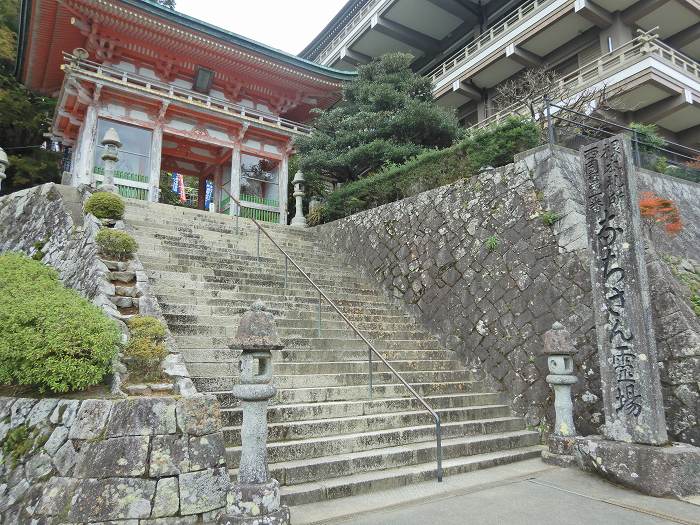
(4, 163)
(255, 498)
(560, 351)
(110, 156)
(299, 220)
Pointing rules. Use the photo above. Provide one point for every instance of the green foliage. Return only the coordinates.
(387, 115)
(695, 302)
(488, 147)
(50, 337)
(105, 205)
(170, 4)
(648, 137)
(24, 116)
(145, 349)
(39, 247)
(492, 243)
(549, 217)
(9, 18)
(116, 243)
(18, 443)
(145, 327)
(315, 215)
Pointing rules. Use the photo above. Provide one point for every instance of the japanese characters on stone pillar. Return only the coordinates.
(626, 345)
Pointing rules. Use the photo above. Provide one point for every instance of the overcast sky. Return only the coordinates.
(288, 25)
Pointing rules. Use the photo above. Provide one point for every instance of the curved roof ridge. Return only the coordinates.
(240, 40)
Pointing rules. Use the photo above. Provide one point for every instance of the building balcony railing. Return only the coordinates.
(100, 73)
(644, 46)
(520, 15)
(359, 18)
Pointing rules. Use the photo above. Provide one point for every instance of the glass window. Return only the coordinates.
(134, 155)
(259, 180)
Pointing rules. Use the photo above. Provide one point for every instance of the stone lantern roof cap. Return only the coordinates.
(257, 330)
(557, 341)
(298, 177)
(3, 158)
(112, 137)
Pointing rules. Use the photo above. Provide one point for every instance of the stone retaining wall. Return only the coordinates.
(477, 265)
(155, 460)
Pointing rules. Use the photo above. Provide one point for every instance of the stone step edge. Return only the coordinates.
(422, 445)
(286, 406)
(383, 385)
(363, 417)
(378, 433)
(367, 478)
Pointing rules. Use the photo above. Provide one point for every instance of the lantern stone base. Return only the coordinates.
(672, 470)
(561, 451)
(255, 504)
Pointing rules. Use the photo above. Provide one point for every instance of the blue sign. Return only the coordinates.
(176, 183)
(208, 194)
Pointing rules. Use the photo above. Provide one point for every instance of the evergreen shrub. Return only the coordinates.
(146, 348)
(50, 337)
(116, 243)
(494, 146)
(105, 205)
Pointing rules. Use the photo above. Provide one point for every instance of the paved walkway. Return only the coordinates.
(526, 493)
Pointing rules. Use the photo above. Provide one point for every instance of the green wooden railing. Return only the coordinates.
(129, 192)
(253, 213)
(259, 200)
(260, 215)
(124, 175)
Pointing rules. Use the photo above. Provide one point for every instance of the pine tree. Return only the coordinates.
(387, 115)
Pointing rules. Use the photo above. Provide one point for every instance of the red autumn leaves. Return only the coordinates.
(661, 211)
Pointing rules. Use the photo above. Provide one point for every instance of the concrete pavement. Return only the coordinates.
(528, 492)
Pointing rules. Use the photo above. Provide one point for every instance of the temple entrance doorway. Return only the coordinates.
(192, 172)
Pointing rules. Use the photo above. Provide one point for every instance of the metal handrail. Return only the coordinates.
(370, 346)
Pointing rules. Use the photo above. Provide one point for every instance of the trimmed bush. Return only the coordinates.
(105, 205)
(50, 337)
(116, 243)
(145, 349)
(489, 147)
(145, 327)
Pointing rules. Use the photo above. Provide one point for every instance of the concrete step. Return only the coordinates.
(317, 447)
(356, 393)
(181, 329)
(311, 428)
(336, 409)
(284, 323)
(213, 275)
(299, 355)
(223, 383)
(312, 343)
(210, 369)
(372, 481)
(295, 472)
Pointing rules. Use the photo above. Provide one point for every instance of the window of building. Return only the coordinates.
(203, 79)
(259, 180)
(134, 155)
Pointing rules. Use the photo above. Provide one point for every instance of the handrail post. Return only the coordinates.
(438, 437)
(550, 123)
(319, 314)
(369, 350)
(286, 265)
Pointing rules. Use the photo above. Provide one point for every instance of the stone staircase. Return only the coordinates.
(326, 438)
